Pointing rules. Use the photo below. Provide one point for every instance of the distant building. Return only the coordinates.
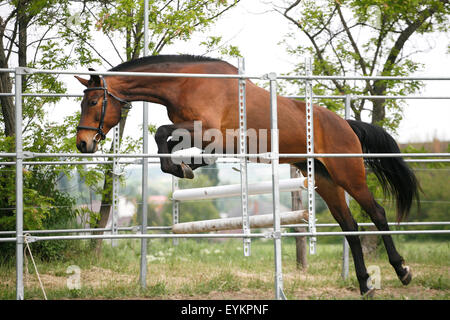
(157, 201)
(125, 213)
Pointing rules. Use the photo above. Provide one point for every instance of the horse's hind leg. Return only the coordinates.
(354, 182)
(378, 217)
(334, 196)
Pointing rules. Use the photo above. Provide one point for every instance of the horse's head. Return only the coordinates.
(100, 111)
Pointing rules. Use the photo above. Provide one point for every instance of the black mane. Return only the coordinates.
(160, 59)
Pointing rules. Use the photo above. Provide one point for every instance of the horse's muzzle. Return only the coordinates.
(84, 147)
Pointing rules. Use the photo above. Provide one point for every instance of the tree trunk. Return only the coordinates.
(369, 243)
(379, 111)
(300, 242)
(8, 107)
(105, 207)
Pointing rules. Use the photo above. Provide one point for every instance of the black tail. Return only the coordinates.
(393, 173)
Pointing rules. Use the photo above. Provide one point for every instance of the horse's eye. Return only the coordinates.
(93, 102)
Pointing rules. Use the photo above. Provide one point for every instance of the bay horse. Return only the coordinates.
(214, 103)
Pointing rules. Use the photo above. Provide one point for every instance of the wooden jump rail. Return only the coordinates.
(256, 221)
(234, 190)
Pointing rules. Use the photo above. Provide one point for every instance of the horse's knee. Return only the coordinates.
(161, 134)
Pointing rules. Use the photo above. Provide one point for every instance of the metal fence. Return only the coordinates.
(22, 157)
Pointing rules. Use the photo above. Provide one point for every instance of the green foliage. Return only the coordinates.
(214, 43)
(65, 39)
(363, 38)
(45, 206)
(168, 22)
(433, 179)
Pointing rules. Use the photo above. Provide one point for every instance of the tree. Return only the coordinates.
(58, 34)
(122, 23)
(364, 38)
(31, 36)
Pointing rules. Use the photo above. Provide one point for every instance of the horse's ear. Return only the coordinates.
(95, 79)
(84, 82)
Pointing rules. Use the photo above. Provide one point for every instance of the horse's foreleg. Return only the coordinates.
(192, 163)
(167, 165)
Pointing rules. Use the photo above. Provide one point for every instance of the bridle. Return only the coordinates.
(100, 135)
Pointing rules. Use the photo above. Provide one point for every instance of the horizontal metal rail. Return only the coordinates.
(168, 228)
(397, 78)
(266, 156)
(87, 230)
(157, 161)
(353, 97)
(370, 224)
(226, 235)
(30, 71)
(41, 95)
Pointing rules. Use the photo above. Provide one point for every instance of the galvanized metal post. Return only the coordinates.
(310, 161)
(143, 271)
(19, 185)
(345, 246)
(348, 101)
(175, 207)
(279, 294)
(116, 175)
(243, 150)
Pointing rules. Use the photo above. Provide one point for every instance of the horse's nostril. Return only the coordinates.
(82, 146)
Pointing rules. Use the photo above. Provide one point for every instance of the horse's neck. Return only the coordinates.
(151, 89)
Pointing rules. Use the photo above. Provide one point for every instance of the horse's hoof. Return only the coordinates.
(369, 294)
(406, 279)
(187, 171)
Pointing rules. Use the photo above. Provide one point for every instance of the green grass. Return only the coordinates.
(218, 270)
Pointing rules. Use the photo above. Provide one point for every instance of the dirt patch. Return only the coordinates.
(94, 277)
(184, 284)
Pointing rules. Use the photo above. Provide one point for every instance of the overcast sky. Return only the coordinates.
(257, 33)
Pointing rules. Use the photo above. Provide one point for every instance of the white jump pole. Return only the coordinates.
(255, 221)
(234, 190)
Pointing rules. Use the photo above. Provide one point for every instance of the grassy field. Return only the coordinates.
(218, 270)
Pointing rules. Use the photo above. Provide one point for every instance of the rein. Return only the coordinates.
(100, 135)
